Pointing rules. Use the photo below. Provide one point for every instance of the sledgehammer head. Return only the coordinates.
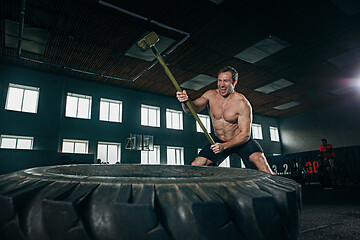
(148, 41)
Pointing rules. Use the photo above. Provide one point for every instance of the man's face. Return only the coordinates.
(225, 84)
(323, 143)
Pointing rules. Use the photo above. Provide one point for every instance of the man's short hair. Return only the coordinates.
(234, 73)
(323, 140)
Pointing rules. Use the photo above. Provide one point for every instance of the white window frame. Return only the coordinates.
(171, 117)
(75, 144)
(78, 114)
(256, 130)
(16, 140)
(106, 159)
(226, 162)
(151, 157)
(107, 108)
(178, 155)
(145, 115)
(274, 134)
(22, 102)
(205, 119)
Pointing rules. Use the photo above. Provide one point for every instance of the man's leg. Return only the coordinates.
(201, 161)
(332, 163)
(260, 161)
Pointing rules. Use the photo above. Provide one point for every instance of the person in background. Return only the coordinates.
(326, 164)
(328, 154)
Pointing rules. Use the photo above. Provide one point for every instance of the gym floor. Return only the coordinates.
(330, 213)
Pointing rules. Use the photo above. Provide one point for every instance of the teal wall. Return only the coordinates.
(50, 126)
(339, 124)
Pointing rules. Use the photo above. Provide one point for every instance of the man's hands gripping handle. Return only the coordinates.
(183, 98)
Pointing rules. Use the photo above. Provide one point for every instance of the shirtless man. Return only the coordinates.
(231, 116)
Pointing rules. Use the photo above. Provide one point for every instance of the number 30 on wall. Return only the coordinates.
(312, 167)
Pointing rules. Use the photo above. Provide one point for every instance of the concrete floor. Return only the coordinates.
(330, 213)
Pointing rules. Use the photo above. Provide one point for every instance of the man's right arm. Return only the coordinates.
(198, 104)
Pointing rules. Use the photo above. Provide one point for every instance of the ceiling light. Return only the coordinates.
(217, 2)
(274, 86)
(357, 82)
(262, 49)
(34, 40)
(350, 7)
(148, 55)
(287, 105)
(198, 82)
(347, 58)
(341, 91)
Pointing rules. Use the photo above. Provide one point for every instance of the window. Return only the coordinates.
(22, 98)
(274, 134)
(109, 152)
(151, 157)
(150, 116)
(75, 146)
(16, 142)
(78, 106)
(256, 131)
(242, 164)
(174, 119)
(225, 163)
(110, 110)
(175, 155)
(205, 121)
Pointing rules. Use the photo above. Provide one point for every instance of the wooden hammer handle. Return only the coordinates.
(167, 71)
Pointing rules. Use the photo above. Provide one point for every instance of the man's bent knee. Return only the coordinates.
(259, 160)
(201, 161)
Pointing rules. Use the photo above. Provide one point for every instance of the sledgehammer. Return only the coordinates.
(149, 42)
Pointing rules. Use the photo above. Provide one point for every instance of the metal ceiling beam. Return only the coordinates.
(187, 35)
(21, 26)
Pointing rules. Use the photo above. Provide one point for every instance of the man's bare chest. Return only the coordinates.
(223, 111)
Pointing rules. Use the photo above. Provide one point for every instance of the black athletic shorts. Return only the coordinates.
(244, 151)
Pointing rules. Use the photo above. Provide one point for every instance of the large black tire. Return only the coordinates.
(147, 202)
